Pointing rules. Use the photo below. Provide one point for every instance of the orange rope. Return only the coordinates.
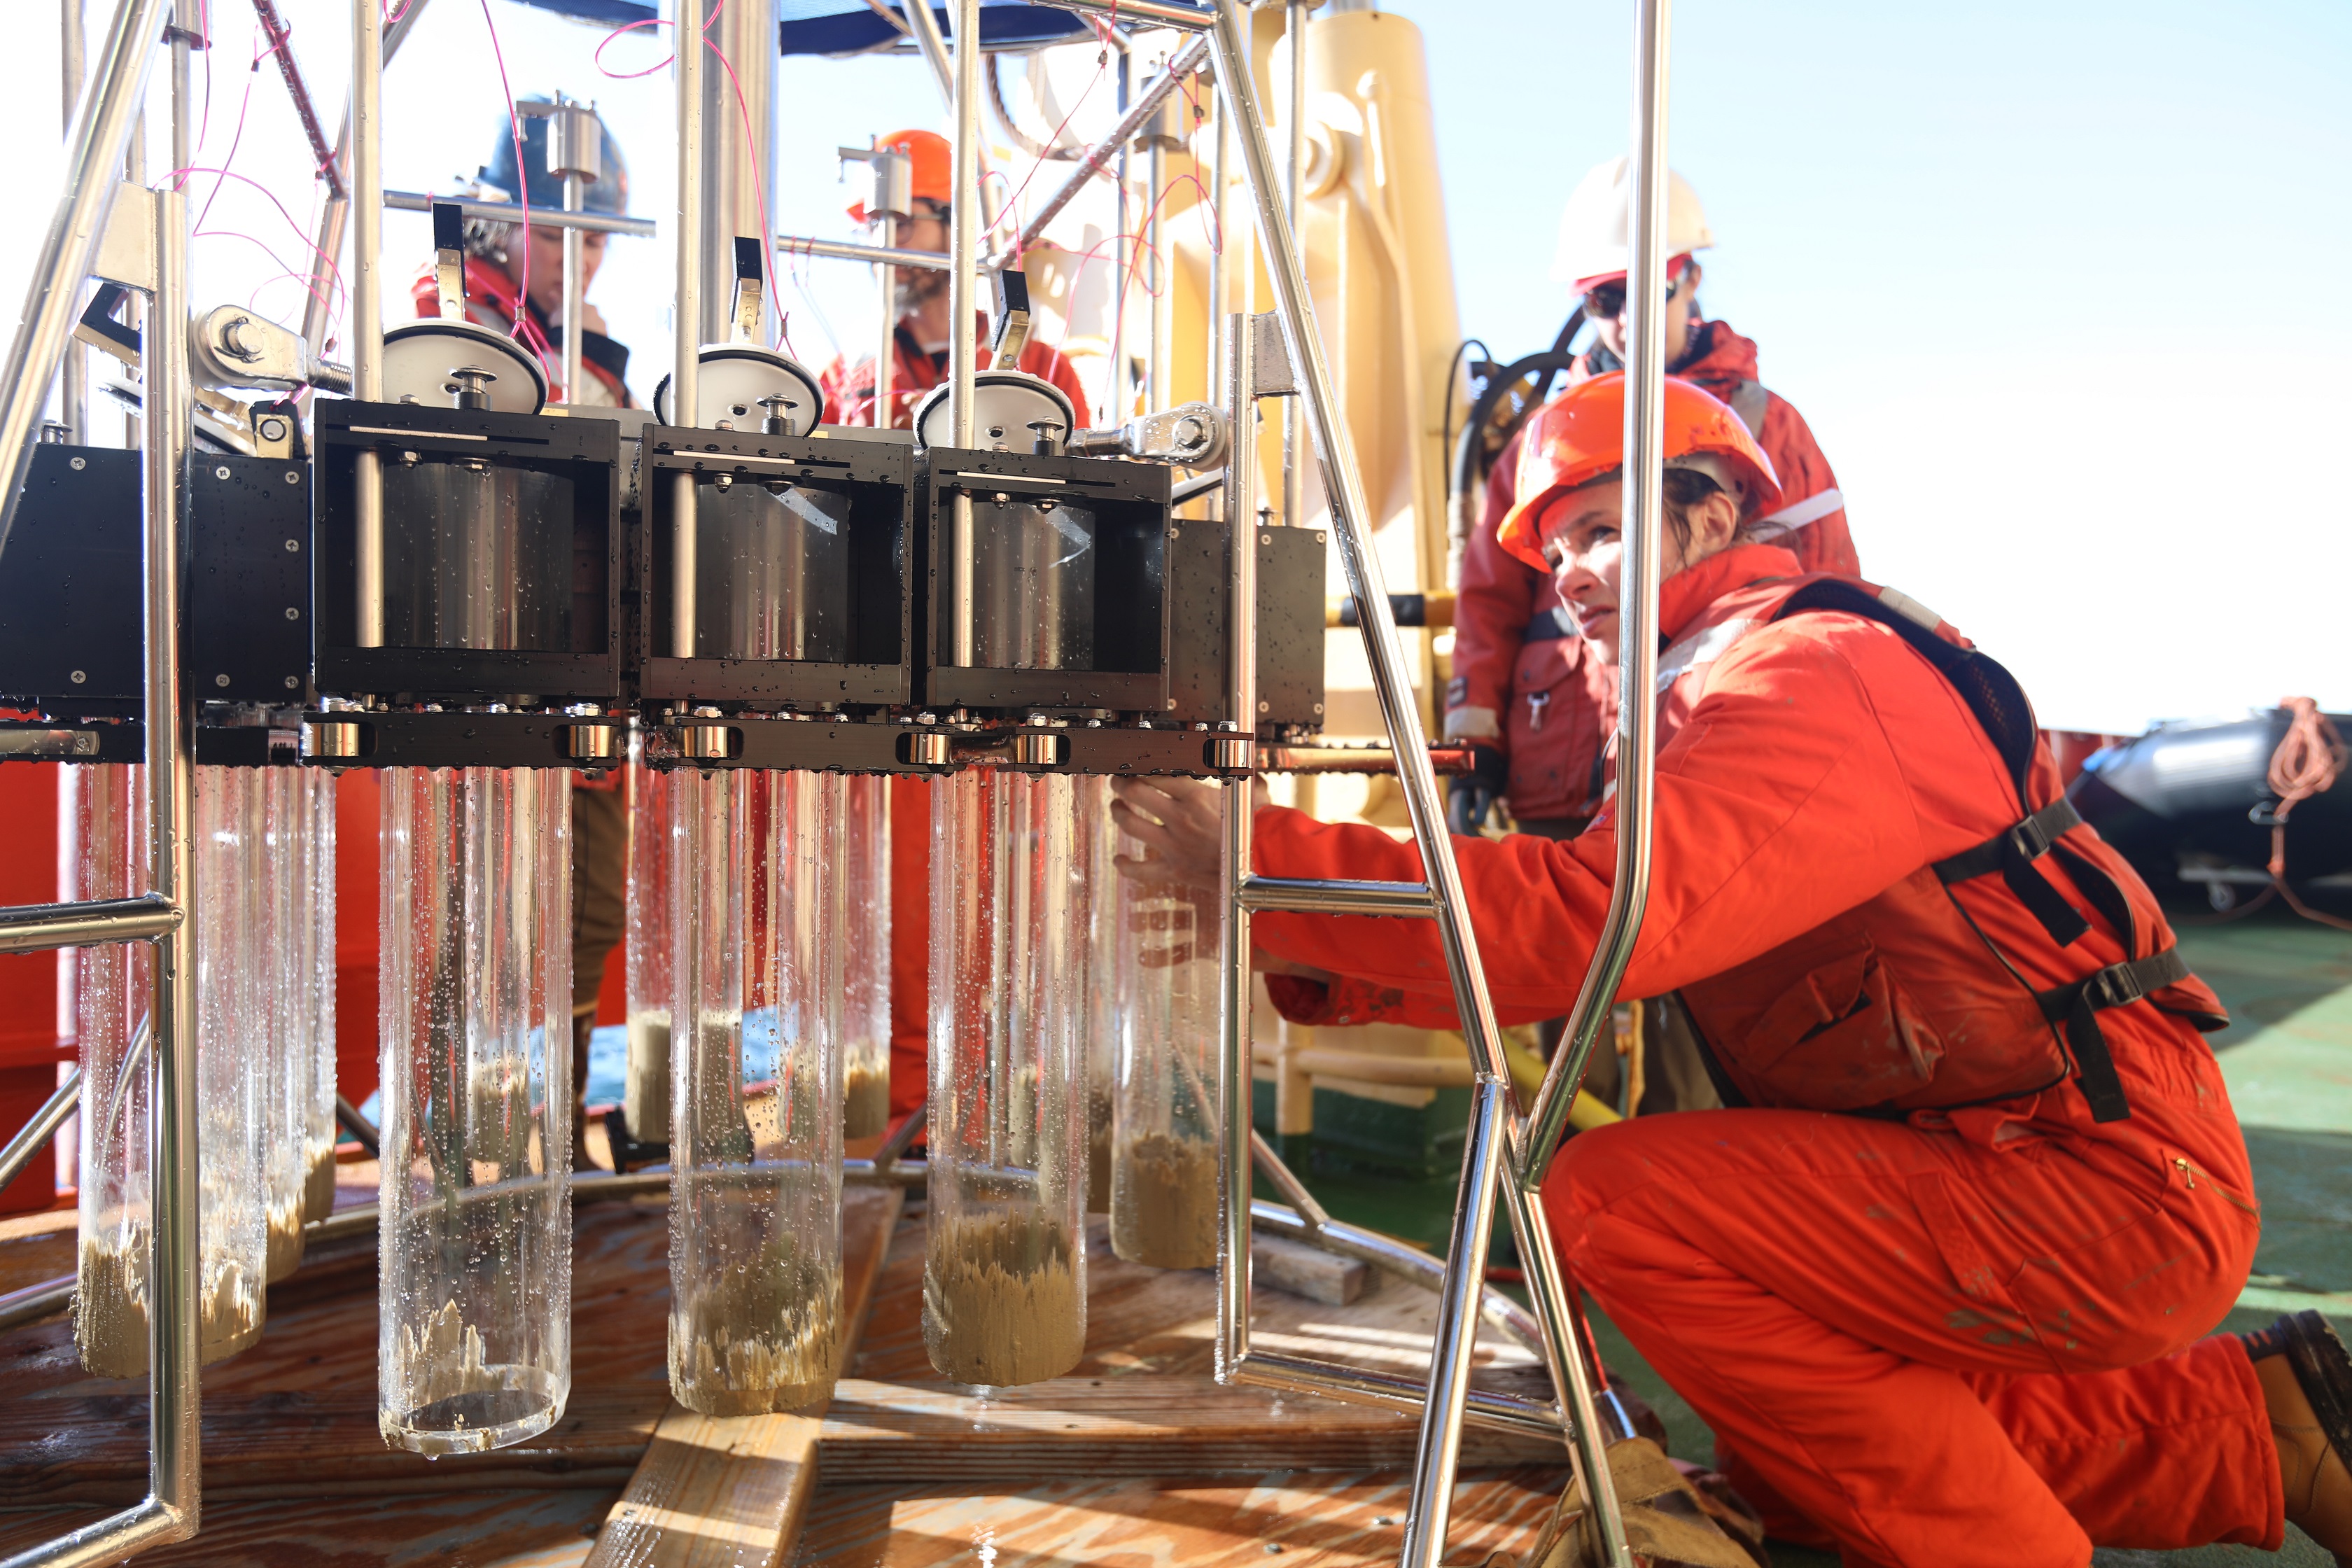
(2308, 761)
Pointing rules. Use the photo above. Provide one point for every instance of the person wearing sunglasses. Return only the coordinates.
(1537, 700)
(1944, 1279)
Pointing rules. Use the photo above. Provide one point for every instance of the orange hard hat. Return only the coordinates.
(932, 160)
(1579, 437)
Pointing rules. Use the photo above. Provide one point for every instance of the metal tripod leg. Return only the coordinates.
(1489, 1154)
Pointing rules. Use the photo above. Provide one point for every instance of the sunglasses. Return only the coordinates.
(1606, 302)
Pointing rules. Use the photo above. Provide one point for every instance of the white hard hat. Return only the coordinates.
(1593, 237)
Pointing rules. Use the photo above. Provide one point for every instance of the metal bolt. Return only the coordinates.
(293, 476)
(1266, 539)
(1172, 533)
(1172, 702)
(274, 429)
(292, 614)
(77, 676)
(293, 546)
(1266, 707)
(1318, 707)
(291, 682)
(78, 464)
(220, 472)
(220, 680)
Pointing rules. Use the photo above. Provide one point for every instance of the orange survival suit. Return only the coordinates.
(1967, 1325)
(849, 389)
(1524, 682)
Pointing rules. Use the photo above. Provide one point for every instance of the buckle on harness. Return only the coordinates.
(2030, 839)
(2118, 985)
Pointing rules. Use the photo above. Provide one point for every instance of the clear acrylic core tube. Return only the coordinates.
(645, 1087)
(1163, 1208)
(1004, 1280)
(474, 1316)
(755, 1092)
(866, 955)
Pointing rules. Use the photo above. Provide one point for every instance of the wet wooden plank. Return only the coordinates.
(1143, 1400)
(460, 1529)
(1327, 1522)
(294, 1415)
(729, 1492)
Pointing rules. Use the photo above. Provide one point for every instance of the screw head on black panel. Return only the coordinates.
(292, 681)
(293, 546)
(220, 680)
(293, 476)
(79, 675)
(78, 464)
(292, 614)
(221, 473)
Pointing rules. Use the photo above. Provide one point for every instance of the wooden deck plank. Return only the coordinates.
(1329, 1521)
(454, 1530)
(729, 1492)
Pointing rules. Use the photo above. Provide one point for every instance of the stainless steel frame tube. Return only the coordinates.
(102, 135)
(1184, 63)
(35, 1135)
(366, 327)
(37, 927)
(1294, 452)
(886, 348)
(1315, 896)
(848, 250)
(963, 251)
(541, 217)
(575, 290)
(73, 389)
(169, 1511)
(687, 359)
(1234, 1062)
(334, 212)
(1637, 716)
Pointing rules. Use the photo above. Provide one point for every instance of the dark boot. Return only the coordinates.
(2307, 1380)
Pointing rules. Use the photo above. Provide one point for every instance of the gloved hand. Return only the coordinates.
(1473, 793)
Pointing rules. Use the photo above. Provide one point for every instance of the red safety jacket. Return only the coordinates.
(492, 297)
(1870, 893)
(1524, 682)
(849, 389)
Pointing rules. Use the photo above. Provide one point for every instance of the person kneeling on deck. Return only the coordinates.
(1940, 1282)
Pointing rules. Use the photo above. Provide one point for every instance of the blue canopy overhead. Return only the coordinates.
(834, 28)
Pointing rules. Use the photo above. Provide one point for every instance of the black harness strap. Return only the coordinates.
(1999, 705)
(2078, 1005)
(2013, 854)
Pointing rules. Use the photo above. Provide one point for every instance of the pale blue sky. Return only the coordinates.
(2058, 286)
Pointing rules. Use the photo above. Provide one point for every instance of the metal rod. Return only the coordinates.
(172, 1283)
(1564, 1347)
(35, 1135)
(281, 36)
(1313, 895)
(1637, 716)
(886, 350)
(366, 327)
(1162, 303)
(575, 287)
(1185, 61)
(37, 927)
(73, 393)
(903, 1138)
(926, 28)
(686, 361)
(101, 135)
(1121, 395)
(1286, 1182)
(963, 231)
(348, 1118)
(849, 251)
(963, 251)
(1439, 1450)
(1184, 17)
(1234, 995)
(334, 212)
(1387, 1391)
(1294, 434)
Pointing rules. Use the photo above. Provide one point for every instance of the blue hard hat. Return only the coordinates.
(610, 194)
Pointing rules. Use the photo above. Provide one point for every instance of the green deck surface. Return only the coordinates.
(2287, 1058)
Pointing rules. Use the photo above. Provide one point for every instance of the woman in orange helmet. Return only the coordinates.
(1941, 1283)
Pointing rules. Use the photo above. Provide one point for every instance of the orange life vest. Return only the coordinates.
(1903, 1003)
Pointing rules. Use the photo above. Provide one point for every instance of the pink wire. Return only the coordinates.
(524, 329)
(333, 272)
(234, 141)
(758, 188)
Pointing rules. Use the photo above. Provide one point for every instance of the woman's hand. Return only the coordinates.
(1180, 824)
